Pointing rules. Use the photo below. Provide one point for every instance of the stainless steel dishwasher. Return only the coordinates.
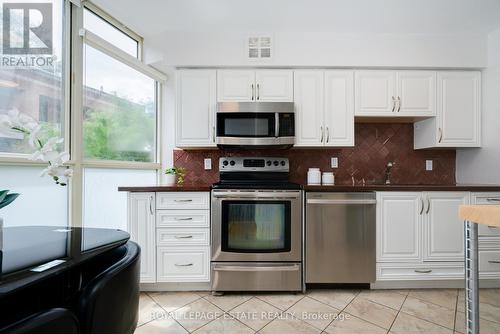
(340, 237)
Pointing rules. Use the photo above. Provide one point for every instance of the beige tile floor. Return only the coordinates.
(426, 311)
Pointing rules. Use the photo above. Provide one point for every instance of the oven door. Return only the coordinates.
(256, 226)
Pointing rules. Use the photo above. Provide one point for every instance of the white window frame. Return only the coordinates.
(80, 37)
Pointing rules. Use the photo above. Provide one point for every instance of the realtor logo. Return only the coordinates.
(27, 28)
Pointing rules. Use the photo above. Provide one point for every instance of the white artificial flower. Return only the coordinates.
(34, 136)
(48, 151)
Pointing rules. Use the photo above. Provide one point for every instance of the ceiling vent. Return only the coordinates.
(259, 47)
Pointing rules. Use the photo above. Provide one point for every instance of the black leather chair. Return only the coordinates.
(53, 321)
(109, 301)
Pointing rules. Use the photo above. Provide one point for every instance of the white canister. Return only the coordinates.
(170, 179)
(328, 179)
(314, 177)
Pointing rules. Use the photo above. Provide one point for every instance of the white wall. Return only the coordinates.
(483, 165)
(311, 49)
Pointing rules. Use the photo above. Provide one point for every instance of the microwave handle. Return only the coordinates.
(276, 125)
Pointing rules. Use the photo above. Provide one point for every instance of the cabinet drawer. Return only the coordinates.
(183, 200)
(485, 230)
(182, 237)
(183, 264)
(489, 261)
(182, 218)
(486, 198)
(421, 271)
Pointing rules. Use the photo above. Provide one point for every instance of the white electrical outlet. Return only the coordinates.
(208, 164)
(428, 164)
(334, 162)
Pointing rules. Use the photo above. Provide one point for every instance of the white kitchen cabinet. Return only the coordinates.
(235, 85)
(458, 121)
(395, 93)
(443, 231)
(339, 108)
(184, 264)
(399, 225)
(375, 93)
(142, 229)
(324, 108)
(274, 85)
(416, 93)
(255, 85)
(195, 108)
(309, 107)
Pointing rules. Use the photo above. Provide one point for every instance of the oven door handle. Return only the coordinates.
(294, 267)
(256, 196)
(276, 125)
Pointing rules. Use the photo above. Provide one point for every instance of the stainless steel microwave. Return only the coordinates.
(255, 124)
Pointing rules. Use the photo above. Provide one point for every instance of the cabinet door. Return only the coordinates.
(443, 231)
(142, 229)
(416, 93)
(235, 85)
(339, 108)
(375, 93)
(309, 103)
(459, 106)
(399, 221)
(274, 86)
(195, 117)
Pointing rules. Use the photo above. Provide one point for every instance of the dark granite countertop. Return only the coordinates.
(336, 188)
(163, 188)
(404, 187)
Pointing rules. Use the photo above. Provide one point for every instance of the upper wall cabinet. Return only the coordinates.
(395, 93)
(324, 106)
(255, 85)
(458, 121)
(195, 108)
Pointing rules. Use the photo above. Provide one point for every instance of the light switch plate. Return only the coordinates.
(428, 165)
(334, 162)
(208, 164)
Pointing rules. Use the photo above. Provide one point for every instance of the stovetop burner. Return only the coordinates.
(254, 173)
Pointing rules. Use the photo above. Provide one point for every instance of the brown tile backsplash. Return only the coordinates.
(376, 144)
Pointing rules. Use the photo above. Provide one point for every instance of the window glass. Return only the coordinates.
(33, 88)
(119, 110)
(108, 32)
(41, 202)
(104, 205)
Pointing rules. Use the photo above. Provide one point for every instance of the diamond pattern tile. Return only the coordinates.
(425, 311)
(376, 144)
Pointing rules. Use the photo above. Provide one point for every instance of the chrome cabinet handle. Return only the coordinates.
(440, 135)
(490, 226)
(322, 133)
(393, 104)
(183, 264)
(399, 104)
(183, 236)
(423, 205)
(213, 134)
(327, 134)
(494, 262)
(428, 206)
(258, 91)
(253, 91)
(187, 218)
(423, 271)
(493, 199)
(151, 205)
(183, 200)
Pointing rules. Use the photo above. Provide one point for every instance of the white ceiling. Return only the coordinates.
(151, 17)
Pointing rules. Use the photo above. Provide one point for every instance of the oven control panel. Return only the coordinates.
(253, 164)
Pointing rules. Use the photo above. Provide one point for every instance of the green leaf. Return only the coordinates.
(8, 199)
(3, 194)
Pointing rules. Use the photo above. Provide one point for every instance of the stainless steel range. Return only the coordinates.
(256, 227)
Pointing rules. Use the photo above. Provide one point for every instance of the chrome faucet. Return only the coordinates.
(388, 169)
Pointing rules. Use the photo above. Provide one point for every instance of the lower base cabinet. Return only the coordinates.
(183, 264)
(173, 231)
